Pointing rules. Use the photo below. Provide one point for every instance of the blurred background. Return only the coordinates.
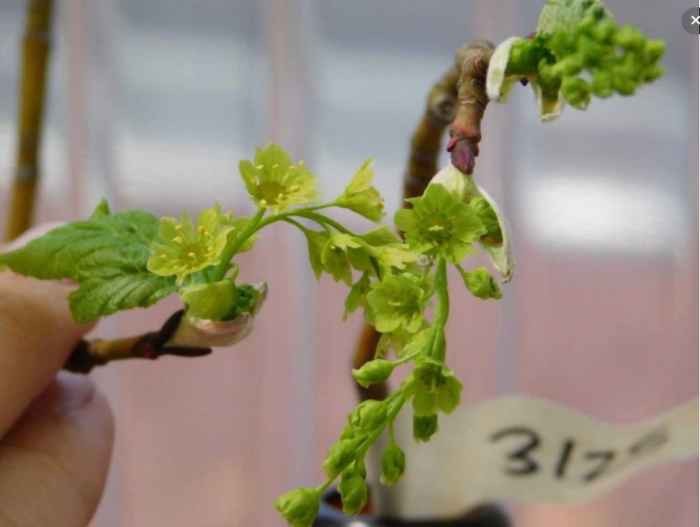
(152, 104)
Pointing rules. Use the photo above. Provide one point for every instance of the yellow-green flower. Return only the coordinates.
(274, 182)
(186, 248)
(434, 388)
(361, 197)
(440, 224)
(340, 254)
(398, 301)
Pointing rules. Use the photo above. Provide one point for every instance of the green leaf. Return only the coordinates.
(567, 14)
(106, 255)
(122, 290)
(212, 301)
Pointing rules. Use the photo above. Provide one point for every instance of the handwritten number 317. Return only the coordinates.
(521, 462)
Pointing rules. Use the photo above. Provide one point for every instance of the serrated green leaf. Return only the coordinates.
(106, 255)
(102, 296)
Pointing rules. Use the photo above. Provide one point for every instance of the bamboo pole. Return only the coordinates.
(35, 56)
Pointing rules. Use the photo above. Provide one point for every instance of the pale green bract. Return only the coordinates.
(211, 301)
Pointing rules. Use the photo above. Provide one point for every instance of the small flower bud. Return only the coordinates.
(653, 73)
(577, 92)
(562, 42)
(353, 493)
(368, 415)
(373, 372)
(482, 284)
(623, 83)
(604, 31)
(299, 506)
(340, 456)
(393, 465)
(424, 427)
(571, 65)
(586, 26)
(591, 52)
(630, 38)
(602, 84)
(654, 50)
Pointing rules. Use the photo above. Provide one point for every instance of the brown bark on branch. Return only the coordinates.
(465, 131)
(89, 354)
(35, 56)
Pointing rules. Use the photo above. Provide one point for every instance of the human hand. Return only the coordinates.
(56, 430)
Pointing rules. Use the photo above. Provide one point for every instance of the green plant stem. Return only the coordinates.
(254, 225)
(407, 358)
(321, 219)
(298, 225)
(257, 223)
(442, 311)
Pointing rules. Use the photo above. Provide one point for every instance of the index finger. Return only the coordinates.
(37, 334)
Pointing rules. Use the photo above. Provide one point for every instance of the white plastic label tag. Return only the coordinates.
(520, 448)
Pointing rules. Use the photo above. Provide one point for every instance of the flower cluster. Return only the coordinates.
(578, 51)
(392, 280)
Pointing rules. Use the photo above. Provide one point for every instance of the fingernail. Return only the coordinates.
(66, 393)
